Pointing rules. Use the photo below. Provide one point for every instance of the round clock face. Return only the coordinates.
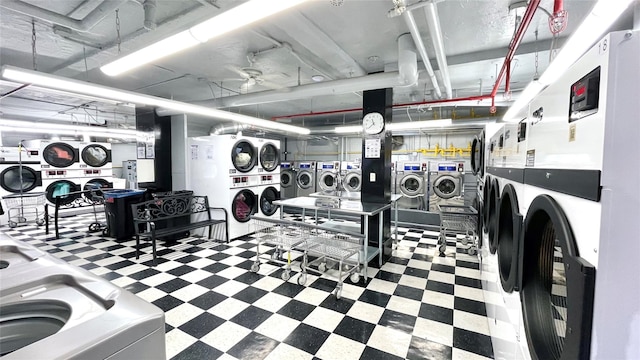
(373, 123)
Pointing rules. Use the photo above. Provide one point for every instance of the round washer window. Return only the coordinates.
(60, 155)
(243, 156)
(304, 180)
(269, 195)
(61, 189)
(97, 185)
(244, 205)
(285, 179)
(10, 179)
(95, 155)
(269, 157)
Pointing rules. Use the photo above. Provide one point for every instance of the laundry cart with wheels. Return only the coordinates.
(22, 208)
(458, 220)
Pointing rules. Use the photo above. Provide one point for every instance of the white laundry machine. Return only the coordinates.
(445, 184)
(350, 176)
(478, 168)
(288, 180)
(62, 182)
(579, 241)
(12, 166)
(268, 156)
(305, 178)
(411, 182)
(96, 156)
(328, 175)
(59, 154)
(221, 179)
(51, 309)
(269, 192)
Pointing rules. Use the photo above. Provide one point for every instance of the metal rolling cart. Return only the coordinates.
(458, 220)
(285, 236)
(22, 206)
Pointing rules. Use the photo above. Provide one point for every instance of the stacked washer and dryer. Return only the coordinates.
(563, 215)
(269, 178)
(13, 162)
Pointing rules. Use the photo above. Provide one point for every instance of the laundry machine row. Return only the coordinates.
(563, 214)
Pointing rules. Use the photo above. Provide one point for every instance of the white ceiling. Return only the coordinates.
(316, 38)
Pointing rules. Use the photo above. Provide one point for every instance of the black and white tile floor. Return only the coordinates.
(417, 306)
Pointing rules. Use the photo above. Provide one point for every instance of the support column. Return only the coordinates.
(157, 150)
(376, 168)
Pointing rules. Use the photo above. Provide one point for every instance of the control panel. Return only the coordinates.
(244, 181)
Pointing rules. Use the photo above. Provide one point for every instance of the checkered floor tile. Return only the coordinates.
(417, 306)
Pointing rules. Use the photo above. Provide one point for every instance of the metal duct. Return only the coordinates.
(230, 128)
(433, 21)
(406, 75)
(86, 24)
(150, 7)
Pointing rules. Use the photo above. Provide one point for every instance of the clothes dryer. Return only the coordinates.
(305, 178)
(350, 176)
(96, 156)
(328, 175)
(581, 211)
(288, 180)
(268, 155)
(59, 154)
(411, 183)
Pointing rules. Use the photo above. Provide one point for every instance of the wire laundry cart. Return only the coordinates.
(22, 208)
(458, 220)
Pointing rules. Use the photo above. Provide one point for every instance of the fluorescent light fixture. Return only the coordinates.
(63, 129)
(235, 18)
(409, 125)
(80, 87)
(601, 17)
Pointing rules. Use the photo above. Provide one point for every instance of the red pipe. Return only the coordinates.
(507, 85)
(430, 102)
(515, 42)
(557, 6)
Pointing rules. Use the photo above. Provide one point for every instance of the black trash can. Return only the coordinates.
(117, 207)
(173, 222)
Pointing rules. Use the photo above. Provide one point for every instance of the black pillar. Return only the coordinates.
(149, 122)
(376, 171)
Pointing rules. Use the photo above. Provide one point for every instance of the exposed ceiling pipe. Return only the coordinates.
(406, 75)
(150, 7)
(84, 25)
(433, 21)
(515, 42)
(417, 39)
(230, 128)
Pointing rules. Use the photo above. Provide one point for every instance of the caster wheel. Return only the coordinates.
(22, 219)
(472, 251)
(442, 248)
(441, 240)
(94, 227)
(274, 255)
(464, 240)
(39, 222)
(255, 267)
(302, 279)
(338, 292)
(355, 278)
(105, 232)
(286, 275)
(322, 267)
(12, 224)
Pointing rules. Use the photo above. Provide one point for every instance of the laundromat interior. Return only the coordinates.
(319, 179)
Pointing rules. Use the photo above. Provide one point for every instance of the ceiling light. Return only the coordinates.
(601, 17)
(409, 125)
(237, 17)
(317, 78)
(81, 87)
(42, 127)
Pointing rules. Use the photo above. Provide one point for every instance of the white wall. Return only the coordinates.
(120, 153)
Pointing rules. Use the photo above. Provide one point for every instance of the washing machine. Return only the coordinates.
(411, 182)
(328, 175)
(222, 179)
(268, 155)
(350, 176)
(445, 184)
(478, 168)
(61, 183)
(96, 156)
(579, 243)
(288, 180)
(11, 166)
(59, 154)
(51, 309)
(268, 192)
(305, 178)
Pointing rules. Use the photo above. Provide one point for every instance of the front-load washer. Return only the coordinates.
(19, 174)
(446, 182)
(244, 203)
(579, 238)
(328, 175)
(305, 178)
(227, 154)
(350, 176)
(267, 194)
(51, 309)
(411, 183)
(97, 185)
(96, 156)
(288, 180)
(64, 184)
(268, 155)
(60, 155)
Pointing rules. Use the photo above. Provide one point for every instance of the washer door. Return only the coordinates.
(244, 204)
(477, 155)
(446, 186)
(304, 179)
(328, 181)
(494, 201)
(478, 204)
(244, 156)
(352, 182)
(96, 155)
(60, 155)
(97, 185)
(557, 285)
(508, 234)
(61, 189)
(486, 191)
(287, 178)
(269, 157)
(10, 179)
(269, 195)
(412, 185)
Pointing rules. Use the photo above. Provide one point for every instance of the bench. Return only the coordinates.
(147, 215)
